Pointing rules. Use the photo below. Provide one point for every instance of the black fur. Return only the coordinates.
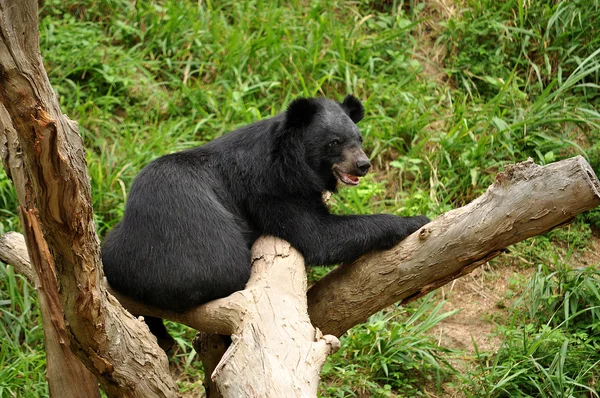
(192, 217)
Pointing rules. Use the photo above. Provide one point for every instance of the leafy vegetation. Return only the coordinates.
(452, 90)
(551, 344)
(391, 352)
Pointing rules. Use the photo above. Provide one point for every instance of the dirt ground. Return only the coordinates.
(485, 298)
(480, 297)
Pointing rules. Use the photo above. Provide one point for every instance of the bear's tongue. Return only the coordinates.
(350, 179)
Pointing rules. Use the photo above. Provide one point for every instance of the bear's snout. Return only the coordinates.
(363, 166)
(356, 161)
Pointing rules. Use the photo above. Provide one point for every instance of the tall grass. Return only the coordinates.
(392, 351)
(551, 347)
(520, 79)
(22, 358)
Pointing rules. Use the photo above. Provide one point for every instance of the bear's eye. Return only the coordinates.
(334, 143)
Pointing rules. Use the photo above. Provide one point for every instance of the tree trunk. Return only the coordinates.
(62, 366)
(210, 349)
(275, 351)
(47, 164)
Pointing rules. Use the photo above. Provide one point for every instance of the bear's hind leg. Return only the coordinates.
(159, 330)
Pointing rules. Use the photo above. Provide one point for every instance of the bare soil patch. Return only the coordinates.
(481, 298)
(485, 298)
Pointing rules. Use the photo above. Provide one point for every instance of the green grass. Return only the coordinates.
(390, 352)
(22, 357)
(519, 79)
(551, 345)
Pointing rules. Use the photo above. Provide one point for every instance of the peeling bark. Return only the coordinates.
(62, 366)
(525, 200)
(47, 164)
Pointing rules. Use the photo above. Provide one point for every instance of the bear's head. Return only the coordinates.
(330, 138)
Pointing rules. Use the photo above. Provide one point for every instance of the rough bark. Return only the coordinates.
(47, 164)
(62, 366)
(276, 352)
(221, 316)
(524, 201)
(50, 174)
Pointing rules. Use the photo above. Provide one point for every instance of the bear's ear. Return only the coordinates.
(353, 108)
(301, 112)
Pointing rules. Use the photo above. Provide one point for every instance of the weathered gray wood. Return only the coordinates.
(13, 251)
(526, 200)
(276, 352)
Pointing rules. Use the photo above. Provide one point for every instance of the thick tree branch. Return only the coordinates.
(210, 349)
(276, 352)
(221, 316)
(526, 200)
(13, 251)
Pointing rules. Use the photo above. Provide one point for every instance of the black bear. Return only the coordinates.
(192, 216)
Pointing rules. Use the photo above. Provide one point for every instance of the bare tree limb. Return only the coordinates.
(526, 200)
(277, 352)
(48, 166)
(13, 251)
(210, 349)
(221, 316)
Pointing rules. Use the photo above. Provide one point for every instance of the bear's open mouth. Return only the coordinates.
(346, 178)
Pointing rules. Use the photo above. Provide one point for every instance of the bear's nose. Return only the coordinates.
(363, 165)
